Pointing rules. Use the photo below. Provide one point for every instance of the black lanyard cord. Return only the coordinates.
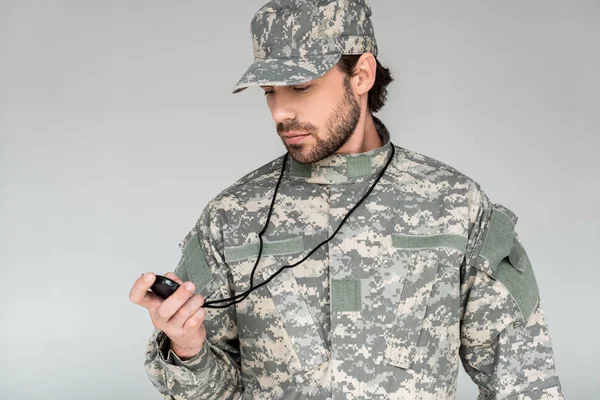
(242, 296)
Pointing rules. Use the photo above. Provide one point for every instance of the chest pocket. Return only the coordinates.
(428, 296)
(278, 336)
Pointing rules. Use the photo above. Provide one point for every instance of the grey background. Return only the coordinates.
(117, 125)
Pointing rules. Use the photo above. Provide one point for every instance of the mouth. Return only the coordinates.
(294, 137)
(290, 135)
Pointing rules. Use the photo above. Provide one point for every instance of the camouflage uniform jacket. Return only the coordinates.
(426, 271)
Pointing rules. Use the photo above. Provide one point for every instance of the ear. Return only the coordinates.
(364, 74)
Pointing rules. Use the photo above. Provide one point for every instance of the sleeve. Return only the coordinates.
(505, 344)
(214, 373)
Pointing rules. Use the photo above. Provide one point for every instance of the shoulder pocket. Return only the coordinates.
(193, 266)
(508, 261)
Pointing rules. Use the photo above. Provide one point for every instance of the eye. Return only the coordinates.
(268, 92)
(301, 89)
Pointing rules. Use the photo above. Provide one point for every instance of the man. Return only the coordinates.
(399, 265)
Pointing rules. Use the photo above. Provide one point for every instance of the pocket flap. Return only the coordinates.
(518, 257)
(516, 274)
(416, 291)
(296, 317)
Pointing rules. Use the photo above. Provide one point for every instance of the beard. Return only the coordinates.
(339, 127)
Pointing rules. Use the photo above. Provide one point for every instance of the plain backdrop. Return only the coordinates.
(117, 125)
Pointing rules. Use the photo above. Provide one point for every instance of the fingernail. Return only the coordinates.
(189, 286)
(148, 277)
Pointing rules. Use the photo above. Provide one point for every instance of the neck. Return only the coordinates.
(364, 138)
(342, 168)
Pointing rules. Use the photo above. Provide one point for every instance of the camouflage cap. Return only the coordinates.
(296, 41)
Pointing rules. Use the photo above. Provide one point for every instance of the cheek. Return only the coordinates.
(324, 106)
(318, 113)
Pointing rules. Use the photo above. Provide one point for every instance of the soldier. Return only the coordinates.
(349, 267)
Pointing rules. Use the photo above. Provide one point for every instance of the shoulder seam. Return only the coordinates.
(242, 181)
(437, 164)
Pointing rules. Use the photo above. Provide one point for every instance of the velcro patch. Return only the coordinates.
(195, 264)
(508, 260)
(345, 295)
(516, 274)
(499, 238)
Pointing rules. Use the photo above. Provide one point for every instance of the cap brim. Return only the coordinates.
(289, 71)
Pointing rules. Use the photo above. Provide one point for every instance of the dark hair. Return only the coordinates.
(383, 77)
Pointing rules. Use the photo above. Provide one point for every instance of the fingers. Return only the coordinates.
(171, 305)
(139, 292)
(191, 314)
(179, 313)
(195, 321)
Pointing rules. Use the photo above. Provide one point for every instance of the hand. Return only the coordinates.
(180, 316)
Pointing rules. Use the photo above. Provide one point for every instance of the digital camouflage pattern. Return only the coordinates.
(425, 272)
(297, 41)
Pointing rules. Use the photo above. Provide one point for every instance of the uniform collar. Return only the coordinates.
(344, 168)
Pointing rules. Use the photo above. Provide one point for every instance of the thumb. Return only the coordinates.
(173, 277)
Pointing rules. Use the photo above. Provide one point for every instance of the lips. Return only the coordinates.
(295, 138)
(293, 134)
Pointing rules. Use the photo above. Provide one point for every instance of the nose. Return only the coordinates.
(281, 108)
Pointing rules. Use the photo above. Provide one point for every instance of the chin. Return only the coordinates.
(298, 155)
